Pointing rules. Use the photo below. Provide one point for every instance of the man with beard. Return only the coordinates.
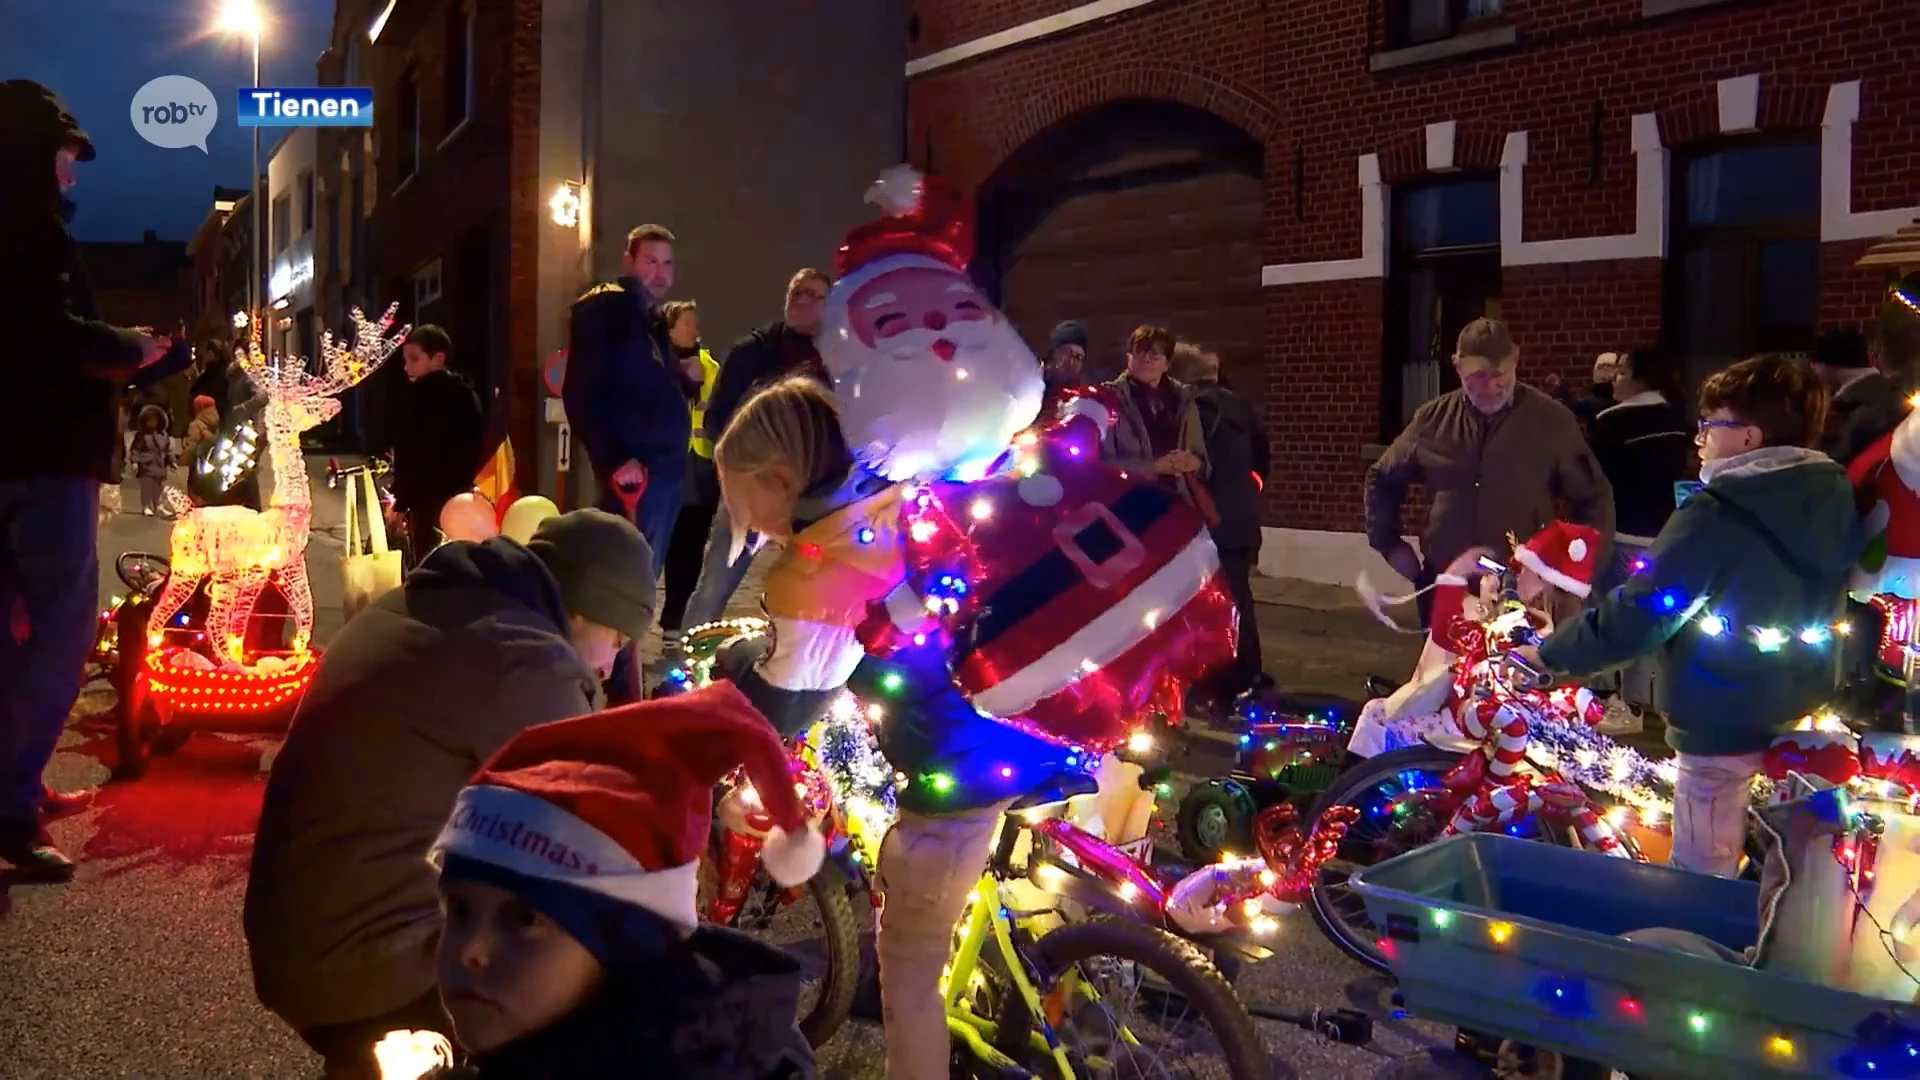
(65, 367)
(1065, 363)
(781, 348)
(1493, 455)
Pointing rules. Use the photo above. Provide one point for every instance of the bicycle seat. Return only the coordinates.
(1057, 788)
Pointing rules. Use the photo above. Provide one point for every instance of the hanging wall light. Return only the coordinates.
(566, 204)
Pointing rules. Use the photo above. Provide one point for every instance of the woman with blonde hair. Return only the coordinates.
(786, 474)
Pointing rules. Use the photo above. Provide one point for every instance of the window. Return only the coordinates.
(1744, 277)
(459, 66)
(426, 286)
(282, 223)
(1417, 22)
(407, 161)
(305, 187)
(1443, 272)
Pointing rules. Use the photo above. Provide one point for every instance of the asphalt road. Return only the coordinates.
(138, 967)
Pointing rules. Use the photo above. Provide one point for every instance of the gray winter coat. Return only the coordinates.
(416, 692)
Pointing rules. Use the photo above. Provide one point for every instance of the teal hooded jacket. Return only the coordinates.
(1736, 601)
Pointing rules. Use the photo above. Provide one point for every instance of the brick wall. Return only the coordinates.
(1297, 77)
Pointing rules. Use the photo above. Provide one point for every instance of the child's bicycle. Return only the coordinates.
(1047, 1000)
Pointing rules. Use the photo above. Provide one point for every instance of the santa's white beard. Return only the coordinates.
(908, 413)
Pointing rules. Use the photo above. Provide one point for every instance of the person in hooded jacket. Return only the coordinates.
(482, 642)
(572, 945)
(436, 438)
(1740, 570)
(58, 355)
(1238, 453)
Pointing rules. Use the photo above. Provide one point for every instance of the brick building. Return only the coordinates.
(1328, 191)
(139, 283)
(696, 116)
(211, 280)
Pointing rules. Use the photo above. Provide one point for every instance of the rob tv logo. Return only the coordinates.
(325, 106)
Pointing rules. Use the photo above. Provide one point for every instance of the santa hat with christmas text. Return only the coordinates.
(1563, 555)
(619, 804)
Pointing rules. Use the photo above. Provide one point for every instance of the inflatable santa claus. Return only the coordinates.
(1886, 479)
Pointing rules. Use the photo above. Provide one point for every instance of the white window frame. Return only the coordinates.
(426, 286)
(470, 20)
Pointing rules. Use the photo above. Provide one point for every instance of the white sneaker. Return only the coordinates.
(1621, 718)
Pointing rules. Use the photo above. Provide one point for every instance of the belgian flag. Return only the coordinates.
(495, 478)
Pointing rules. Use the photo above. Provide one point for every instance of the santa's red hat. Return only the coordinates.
(924, 223)
(620, 803)
(1562, 554)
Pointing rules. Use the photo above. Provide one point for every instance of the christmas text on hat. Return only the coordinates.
(620, 803)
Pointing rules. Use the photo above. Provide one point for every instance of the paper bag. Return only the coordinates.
(366, 575)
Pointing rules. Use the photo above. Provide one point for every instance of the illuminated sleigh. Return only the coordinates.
(213, 653)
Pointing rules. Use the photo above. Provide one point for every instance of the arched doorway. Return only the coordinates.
(1131, 212)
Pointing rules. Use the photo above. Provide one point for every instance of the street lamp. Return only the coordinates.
(243, 17)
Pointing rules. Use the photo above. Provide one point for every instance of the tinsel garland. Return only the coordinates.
(1587, 757)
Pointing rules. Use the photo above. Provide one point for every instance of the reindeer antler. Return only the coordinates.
(343, 367)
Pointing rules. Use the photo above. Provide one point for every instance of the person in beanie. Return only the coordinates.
(69, 366)
(1064, 365)
(1742, 574)
(483, 641)
(572, 944)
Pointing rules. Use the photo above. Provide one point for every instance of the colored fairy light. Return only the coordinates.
(1769, 638)
(1139, 742)
(1442, 919)
(239, 552)
(863, 535)
(941, 783)
(1713, 625)
(890, 682)
(1780, 1046)
(1815, 635)
(1500, 932)
(1699, 1023)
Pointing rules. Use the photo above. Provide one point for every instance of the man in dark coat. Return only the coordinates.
(624, 398)
(482, 642)
(436, 441)
(1239, 454)
(65, 367)
(1866, 403)
(781, 348)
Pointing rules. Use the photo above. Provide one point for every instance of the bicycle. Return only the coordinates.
(1007, 1007)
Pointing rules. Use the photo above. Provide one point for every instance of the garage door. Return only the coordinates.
(1167, 235)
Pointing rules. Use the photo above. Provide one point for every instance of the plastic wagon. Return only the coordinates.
(1519, 941)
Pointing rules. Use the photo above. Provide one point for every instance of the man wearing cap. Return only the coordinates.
(482, 642)
(67, 367)
(1493, 456)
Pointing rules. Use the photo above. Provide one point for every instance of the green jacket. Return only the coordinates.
(1737, 600)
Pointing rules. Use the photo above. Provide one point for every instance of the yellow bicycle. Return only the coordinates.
(1046, 999)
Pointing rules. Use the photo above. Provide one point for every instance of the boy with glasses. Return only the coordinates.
(1736, 598)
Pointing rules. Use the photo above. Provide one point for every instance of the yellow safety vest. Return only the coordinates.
(709, 371)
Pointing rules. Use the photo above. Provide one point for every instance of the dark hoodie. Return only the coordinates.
(56, 352)
(412, 696)
(1763, 550)
(767, 355)
(436, 443)
(1238, 455)
(716, 1006)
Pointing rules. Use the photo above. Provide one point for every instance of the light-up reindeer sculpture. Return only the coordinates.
(238, 551)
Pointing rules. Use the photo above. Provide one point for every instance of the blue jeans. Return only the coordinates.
(654, 514)
(49, 589)
(718, 580)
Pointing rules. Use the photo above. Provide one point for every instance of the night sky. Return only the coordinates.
(96, 53)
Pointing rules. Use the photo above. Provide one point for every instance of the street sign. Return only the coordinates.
(566, 448)
(553, 371)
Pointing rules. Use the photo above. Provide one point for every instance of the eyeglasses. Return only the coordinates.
(1729, 425)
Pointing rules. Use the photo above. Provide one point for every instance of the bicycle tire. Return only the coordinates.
(842, 933)
(1355, 781)
(1177, 961)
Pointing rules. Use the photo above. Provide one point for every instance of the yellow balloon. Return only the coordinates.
(468, 516)
(525, 515)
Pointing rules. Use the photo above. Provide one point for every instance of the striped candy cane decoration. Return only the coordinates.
(1568, 805)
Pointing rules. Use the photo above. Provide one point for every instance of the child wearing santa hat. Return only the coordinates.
(1559, 558)
(568, 874)
(1736, 599)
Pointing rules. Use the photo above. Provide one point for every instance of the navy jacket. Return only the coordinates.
(622, 393)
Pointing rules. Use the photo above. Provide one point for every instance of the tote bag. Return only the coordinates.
(366, 574)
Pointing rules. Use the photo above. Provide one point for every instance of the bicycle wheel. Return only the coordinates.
(1117, 957)
(1387, 790)
(821, 931)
